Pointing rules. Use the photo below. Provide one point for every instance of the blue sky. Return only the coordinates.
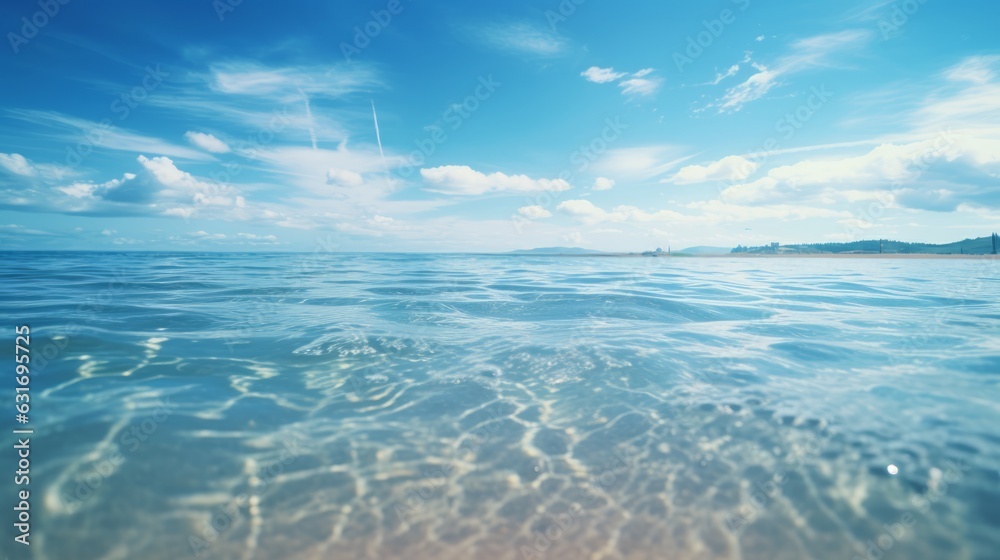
(249, 126)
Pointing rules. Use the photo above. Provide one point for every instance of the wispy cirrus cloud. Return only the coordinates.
(522, 38)
(207, 142)
(287, 82)
(807, 53)
(69, 130)
(638, 83)
(20, 165)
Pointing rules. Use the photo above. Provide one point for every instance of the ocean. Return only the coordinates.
(355, 406)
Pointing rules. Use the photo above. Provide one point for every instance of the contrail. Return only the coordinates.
(377, 135)
(309, 113)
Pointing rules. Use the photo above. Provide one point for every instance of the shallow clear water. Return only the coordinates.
(427, 406)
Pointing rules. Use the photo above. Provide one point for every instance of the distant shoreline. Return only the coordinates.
(769, 256)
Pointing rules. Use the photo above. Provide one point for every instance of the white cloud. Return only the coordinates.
(583, 210)
(103, 135)
(534, 212)
(750, 193)
(753, 88)
(460, 179)
(722, 76)
(16, 164)
(521, 37)
(640, 161)
(183, 187)
(806, 53)
(344, 177)
(730, 168)
(266, 239)
(207, 142)
(588, 213)
(19, 165)
(976, 69)
(760, 38)
(632, 84)
(886, 163)
(254, 79)
(603, 184)
(638, 84)
(720, 211)
(89, 190)
(602, 75)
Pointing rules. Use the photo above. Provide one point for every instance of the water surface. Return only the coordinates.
(337, 406)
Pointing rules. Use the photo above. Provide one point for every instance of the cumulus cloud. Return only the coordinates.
(207, 142)
(730, 168)
(83, 189)
(602, 75)
(603, 184)
(534, 212)
(588, 213)
(938, 173)
(463, 180)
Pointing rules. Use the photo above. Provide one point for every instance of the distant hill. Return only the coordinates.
(555, 251)
(702, 250)
(978, 246)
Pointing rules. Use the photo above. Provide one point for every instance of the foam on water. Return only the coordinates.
(430, 406)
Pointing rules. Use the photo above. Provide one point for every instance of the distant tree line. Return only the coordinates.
(978, 246)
